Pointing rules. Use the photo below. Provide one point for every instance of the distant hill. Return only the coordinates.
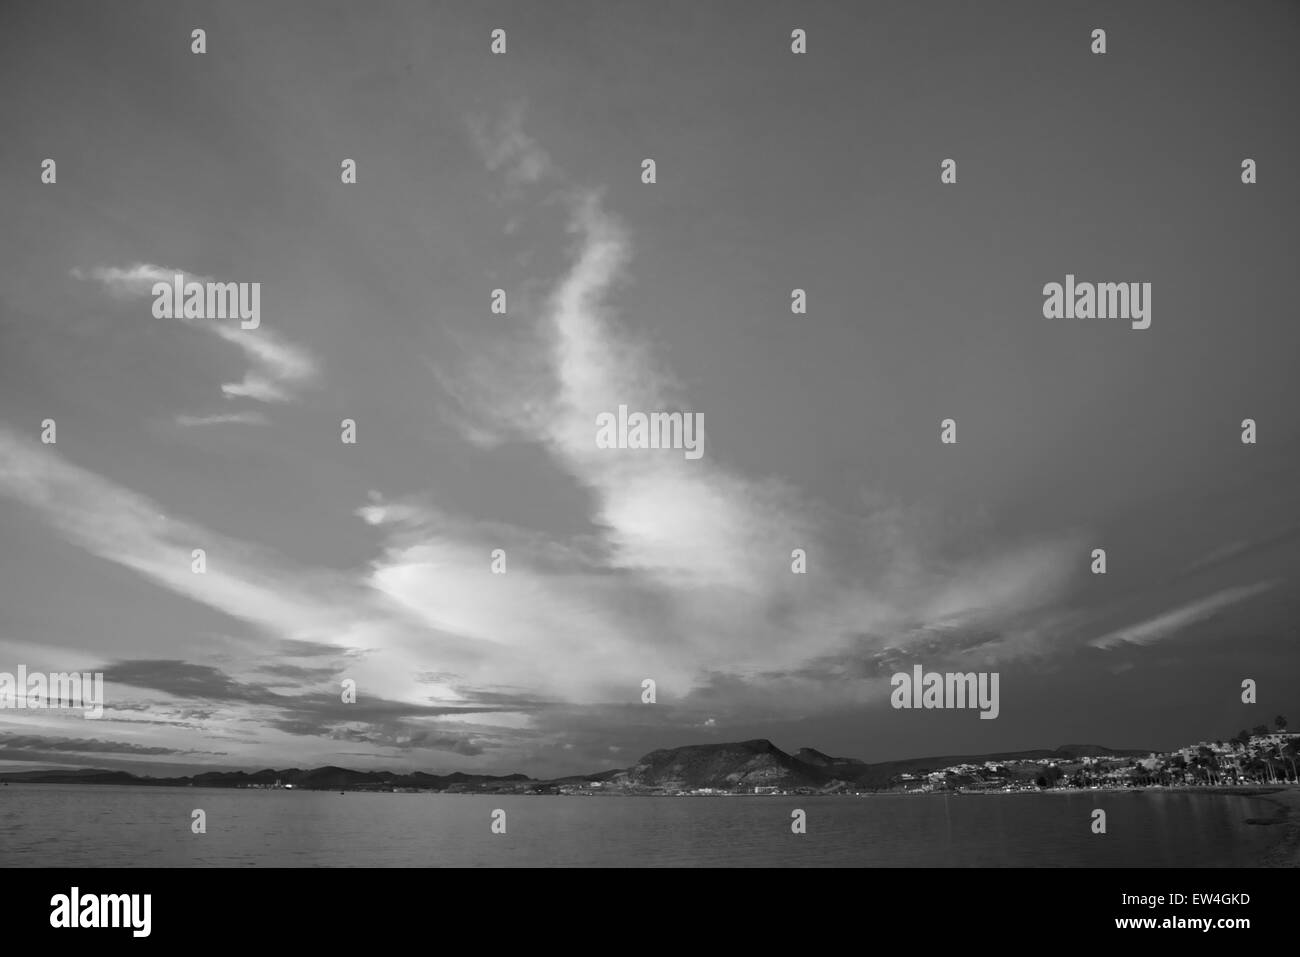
(729, 766)
(744, 764)
(318, 779)
(80, 776)
(818, 760)
(1097, 750)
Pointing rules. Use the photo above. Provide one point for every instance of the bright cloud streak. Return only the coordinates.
(279, 370)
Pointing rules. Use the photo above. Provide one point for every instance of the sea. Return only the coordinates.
(48, 825)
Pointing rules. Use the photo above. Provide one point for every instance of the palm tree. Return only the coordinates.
(1255, 768)
(1235, 768)
(1270, 755)
(1290, 752)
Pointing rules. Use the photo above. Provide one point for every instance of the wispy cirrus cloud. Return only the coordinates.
(279, 369)
(129, 529)
(679, 570)
(222, 418)
(683, 576)
(378, 643)
(506, 148)
(37, 747)
(126, 281)
(1170, 623)
(706, 547)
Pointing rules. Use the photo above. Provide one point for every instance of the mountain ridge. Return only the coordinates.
(755, 763)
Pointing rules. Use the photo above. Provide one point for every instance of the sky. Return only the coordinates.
(372, 562)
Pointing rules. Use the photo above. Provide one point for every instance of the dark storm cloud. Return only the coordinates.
(299, 672)
(36, 747)
(406, 738)
(188, 680)
(377, 721)
(185, 680)
(297, 648)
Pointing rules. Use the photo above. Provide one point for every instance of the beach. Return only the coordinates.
(1285, 852)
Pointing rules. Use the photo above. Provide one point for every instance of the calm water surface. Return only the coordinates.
(44, 825)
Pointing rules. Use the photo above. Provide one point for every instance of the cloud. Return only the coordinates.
(297, 607)
(1240, 549)
(686, 573)
(130, 530)
(222, 418)
(693, 524)
(129, 281)
(1176, 620)
(279, 369)
(507, 148)
(681, 572)
(190, 680)
(315, 713)
(12, 746)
